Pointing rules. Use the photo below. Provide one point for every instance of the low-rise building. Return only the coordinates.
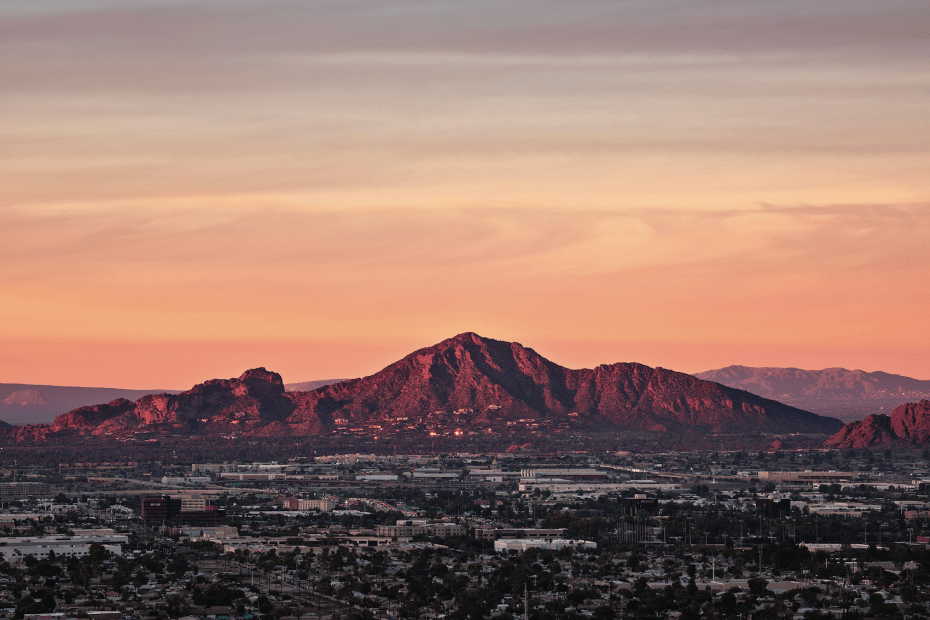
(408, 529)
(323, 505)
(16, 549)
(505, 545)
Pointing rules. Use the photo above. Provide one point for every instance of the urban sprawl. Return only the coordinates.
(806, 534)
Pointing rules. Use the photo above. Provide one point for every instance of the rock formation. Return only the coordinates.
(908, 425)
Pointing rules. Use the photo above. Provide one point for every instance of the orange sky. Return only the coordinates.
(189, 189)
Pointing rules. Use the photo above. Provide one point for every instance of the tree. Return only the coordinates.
(604, 612)
(757, 586)
(728, 602)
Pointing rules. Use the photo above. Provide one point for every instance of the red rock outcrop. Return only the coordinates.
(909, 424)
(255, 399)
(87, 418)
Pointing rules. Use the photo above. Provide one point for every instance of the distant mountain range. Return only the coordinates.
(846, 394)
(22, 403)
(466, 385)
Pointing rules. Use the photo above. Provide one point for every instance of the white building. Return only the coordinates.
(17, 548)
(220, 532)
(522, 544)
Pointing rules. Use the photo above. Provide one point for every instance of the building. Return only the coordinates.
(222, 532)
(432, 473)
(161, 508)
(15, 549)
(193, 502)
(171, 509)
(519, 533)
(505, 545)
(21, 490)
(212, 468)
(253, 476)
(323, 505)
(808, 477)
(409, 529)
(594, 487)
(562, 474)
(771, 507)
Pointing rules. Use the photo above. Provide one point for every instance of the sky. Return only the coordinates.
(191, 189)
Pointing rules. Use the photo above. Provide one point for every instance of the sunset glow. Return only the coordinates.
(190, 189)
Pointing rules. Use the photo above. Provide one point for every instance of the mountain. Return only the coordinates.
(849, 394)
(907, 425)
(31, 397)
(491, 380)
(31, 404)
(306, 386)
(463, 385)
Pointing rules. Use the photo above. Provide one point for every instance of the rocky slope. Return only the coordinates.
(468, 382)
(907, 425)
(850, 394)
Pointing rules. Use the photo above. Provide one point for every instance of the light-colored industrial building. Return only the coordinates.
(505, 545)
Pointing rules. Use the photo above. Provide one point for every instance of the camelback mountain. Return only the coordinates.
(850, 394)
(907, 426)
(463, 385)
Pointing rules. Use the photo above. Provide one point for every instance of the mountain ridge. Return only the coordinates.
(848, 394)
(465, 385)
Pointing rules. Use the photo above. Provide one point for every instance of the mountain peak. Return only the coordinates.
(468, 339)
(258, 375)
(28, 397)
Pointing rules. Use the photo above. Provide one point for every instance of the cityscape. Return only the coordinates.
(804, 534)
